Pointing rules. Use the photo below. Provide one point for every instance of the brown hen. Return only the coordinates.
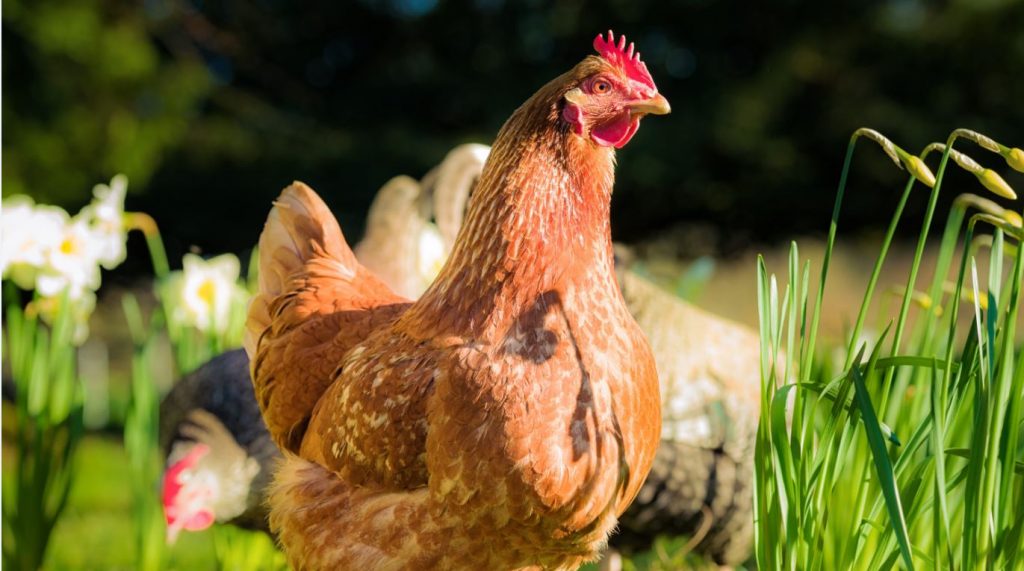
(506, 418)
(701, 482)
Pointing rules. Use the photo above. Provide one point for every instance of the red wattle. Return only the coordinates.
(633, 126)
(616, 132)
(199, 520)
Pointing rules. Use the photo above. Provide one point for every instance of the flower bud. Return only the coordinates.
(1015, 158)
(923, 300)
(916, 167)
(995, 183)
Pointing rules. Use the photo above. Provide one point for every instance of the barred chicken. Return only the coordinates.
(506, 418)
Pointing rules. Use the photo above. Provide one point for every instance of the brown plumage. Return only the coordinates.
(701, 483)
(506, 418)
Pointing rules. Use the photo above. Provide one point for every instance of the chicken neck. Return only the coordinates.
(538, 224)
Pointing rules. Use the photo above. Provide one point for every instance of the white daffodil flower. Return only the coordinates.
(71, 262)
(203, 292)
(106, 215)
(27, 233)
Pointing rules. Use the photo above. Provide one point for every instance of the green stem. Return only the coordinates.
(157, 254)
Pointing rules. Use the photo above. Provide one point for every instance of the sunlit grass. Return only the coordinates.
(835, 486)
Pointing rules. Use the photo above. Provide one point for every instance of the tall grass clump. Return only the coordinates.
(908, 452)
(48, 416)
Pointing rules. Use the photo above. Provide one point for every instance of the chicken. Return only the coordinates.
(214, 408)
(701, 483)
(507, 417)
(220, 457)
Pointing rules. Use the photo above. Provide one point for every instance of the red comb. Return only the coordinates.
(172, 482)
(626, 59)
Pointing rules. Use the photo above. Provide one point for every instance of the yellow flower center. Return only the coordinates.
(69, 245)
(207, 290)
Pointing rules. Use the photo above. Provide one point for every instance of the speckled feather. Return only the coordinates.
(502, 421)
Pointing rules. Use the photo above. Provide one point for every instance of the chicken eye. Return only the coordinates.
(602, 86)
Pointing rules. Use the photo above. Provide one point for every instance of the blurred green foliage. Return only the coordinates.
(89, 94)
(211, 106)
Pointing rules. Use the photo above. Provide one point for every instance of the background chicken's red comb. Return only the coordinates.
(627, 59)
(172, 485)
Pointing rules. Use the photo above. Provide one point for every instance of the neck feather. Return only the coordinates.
(538, 222)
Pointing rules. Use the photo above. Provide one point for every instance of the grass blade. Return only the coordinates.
(883, 466)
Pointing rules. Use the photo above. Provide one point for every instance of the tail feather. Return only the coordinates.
(451, 183)
(314, 303)
(393, 228)
(300, 231)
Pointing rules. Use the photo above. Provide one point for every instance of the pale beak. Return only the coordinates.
(656, 105)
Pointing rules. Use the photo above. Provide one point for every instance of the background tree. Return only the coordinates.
(212, 106)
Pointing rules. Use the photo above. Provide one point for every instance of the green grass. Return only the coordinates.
(97, 530)
(668, 553)
(910, 453)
